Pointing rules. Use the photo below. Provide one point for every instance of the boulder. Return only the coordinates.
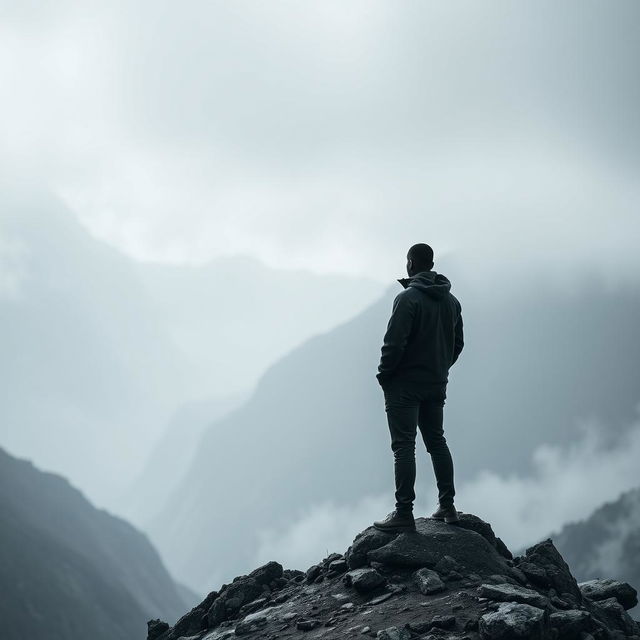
(155, 628)
(393, 633)
(572, 623)
(605, 588)
(428, 581)
(513, 621)
(548, 560)
(506, 592)
(613, 615)
(432, 540)
(363, 580)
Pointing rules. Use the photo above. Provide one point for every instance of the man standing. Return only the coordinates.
(423, 339)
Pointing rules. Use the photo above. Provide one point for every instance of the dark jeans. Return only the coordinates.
(407, 407)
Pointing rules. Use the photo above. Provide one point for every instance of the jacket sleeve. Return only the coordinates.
(459, 338)
(396, 336)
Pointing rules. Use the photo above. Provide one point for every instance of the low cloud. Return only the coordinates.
(567, 484)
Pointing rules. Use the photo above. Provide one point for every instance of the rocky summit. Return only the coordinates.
(440, 581)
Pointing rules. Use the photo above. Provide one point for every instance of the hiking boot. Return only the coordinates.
(448, 514)
(396, 521)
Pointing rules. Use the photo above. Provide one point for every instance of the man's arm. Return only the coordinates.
(459, 338)
(396, 336)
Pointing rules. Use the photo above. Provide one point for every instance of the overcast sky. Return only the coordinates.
(332, 135)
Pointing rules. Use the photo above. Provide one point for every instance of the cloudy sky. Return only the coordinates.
(333, 135)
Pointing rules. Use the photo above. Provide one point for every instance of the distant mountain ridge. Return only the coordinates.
(607, 543)
(69, 571)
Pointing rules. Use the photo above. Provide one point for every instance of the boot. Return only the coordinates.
(448, 514)
(396, 521)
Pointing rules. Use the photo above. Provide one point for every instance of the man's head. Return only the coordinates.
(419, 258)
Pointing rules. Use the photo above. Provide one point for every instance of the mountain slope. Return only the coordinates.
(315, 429)
(70, 571)
(442, 580)
(100, 351)
(607, 543)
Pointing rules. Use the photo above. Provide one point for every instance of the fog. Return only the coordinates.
(190, 193)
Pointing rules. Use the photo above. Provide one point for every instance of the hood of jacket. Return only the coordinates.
(431, 282)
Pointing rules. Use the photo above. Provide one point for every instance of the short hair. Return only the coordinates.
(422, 255)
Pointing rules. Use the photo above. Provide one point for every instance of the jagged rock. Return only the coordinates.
(307, 624)
(546, 557)
(363, 580)
(513, 621)
(367, 540)
(510, 593)
(338, 566)
(570, 624)
(473, 523)
(393, 633)
(605, 588)
(613, 615)
(428, 581)
(313, 572)
(443, 622)
(250, 605)
(251, 624)
(155, 628)
(535, 574)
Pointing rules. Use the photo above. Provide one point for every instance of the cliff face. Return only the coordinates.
(441, 581)
(69, 571)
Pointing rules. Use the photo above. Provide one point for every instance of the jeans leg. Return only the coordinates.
(430, 422)
(402, 416)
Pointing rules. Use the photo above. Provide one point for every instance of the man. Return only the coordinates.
(423, 339)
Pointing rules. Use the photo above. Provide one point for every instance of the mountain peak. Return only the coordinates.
(454, 581)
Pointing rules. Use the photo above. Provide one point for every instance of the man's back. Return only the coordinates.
(424, 335)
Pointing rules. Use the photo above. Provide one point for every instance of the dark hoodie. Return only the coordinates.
(424, 334)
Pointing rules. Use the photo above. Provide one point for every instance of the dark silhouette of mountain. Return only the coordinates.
(441, 581)
(69, 571)
(536, 359)
(607, 543)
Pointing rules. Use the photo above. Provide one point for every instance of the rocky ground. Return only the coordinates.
(441, 581)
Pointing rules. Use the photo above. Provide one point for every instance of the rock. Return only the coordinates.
(605, 588)
(367, 540)
(313, 572)
(428, 581)
(155, 628)
(382, 598)
(446, 564)
(266, 573)
(513, 621)
(510, 593)
(570, 624)
(365, 630)
(443, 622)
(432, 540)
(535, 574)
(545, 556)
(307, 624)
(473, 523)
(419, 627)
(363, 580)
(338, 566)
(393, 633)
(251, 624)
(613, 615)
